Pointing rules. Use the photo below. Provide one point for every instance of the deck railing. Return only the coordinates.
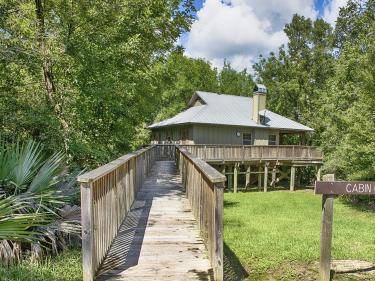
(204, 187)
(254, 152)
(107, 194)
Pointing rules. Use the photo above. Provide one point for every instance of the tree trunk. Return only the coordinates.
(48, 73)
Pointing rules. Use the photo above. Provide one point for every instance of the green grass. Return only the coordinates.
(278, 233)
(65, 267)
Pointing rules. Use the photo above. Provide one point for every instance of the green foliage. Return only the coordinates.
(79, 76)
(35, 189)
(233, 82)
(325, 79)
(65, 267)
(296, 76)
(15, 225)
(179, 77)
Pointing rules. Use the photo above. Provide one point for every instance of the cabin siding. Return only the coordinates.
(213, 134)
(181, 134)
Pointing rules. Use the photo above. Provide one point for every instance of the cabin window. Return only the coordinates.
(246, 139)
(183, 135)
(272, 139)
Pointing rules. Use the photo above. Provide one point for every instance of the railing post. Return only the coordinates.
(218, 262)
(326, 234)
(87, 222)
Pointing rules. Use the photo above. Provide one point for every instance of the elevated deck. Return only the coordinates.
(288, 154)
(159, 239)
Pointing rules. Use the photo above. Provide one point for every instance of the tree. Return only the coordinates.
(348, 106)
(297, 76)
(179, 78)
(234, 82)
(78, 75)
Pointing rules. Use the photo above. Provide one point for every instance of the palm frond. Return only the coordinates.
(16, 226)
(48, 175)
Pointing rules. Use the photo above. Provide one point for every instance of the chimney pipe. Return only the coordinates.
(259, 101)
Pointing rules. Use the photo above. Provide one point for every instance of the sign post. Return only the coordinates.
(329, 188)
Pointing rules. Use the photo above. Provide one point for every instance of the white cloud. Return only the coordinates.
(240, 30)
(332, 9)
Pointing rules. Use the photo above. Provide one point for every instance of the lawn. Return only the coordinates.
(65, 267)
(277, 234)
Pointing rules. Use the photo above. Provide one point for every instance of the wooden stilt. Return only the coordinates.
(247, 184)
(259, 177)
(265, 186)
(230, 177)
(273, 182)
(235, 175)
(223, 170)
(298, 176)
(318, 174)
(292, 177)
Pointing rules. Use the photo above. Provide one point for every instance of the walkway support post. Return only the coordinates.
(248, 170)
(235, 176)
(259, 177)
(230, 177)
(265, 186)
(274, 170)
(326, 234)
(292, 177)
(318, 173)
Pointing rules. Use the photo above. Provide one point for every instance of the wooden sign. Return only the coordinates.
(345, 187)
(329, 188)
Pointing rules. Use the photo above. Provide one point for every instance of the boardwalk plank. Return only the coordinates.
(159, 239)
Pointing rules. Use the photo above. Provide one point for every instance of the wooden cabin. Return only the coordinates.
(213, 118)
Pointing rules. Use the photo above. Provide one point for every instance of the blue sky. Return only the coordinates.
(241, 30)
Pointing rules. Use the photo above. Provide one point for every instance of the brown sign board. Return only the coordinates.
(345, 187)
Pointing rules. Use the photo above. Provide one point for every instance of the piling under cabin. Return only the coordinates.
(239, 136)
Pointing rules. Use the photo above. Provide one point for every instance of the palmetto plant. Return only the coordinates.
(34, 192)
(15, 225)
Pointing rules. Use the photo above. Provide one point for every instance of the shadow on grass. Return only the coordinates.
(233, 269)
(230, 204)
(360, 203)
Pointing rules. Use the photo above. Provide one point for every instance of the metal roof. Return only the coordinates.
(220, 109)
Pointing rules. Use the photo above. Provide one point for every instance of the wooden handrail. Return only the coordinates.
(107, 194)
(204, 187)
(210, 172)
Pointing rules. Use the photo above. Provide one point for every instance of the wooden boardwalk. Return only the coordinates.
(159, 239)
